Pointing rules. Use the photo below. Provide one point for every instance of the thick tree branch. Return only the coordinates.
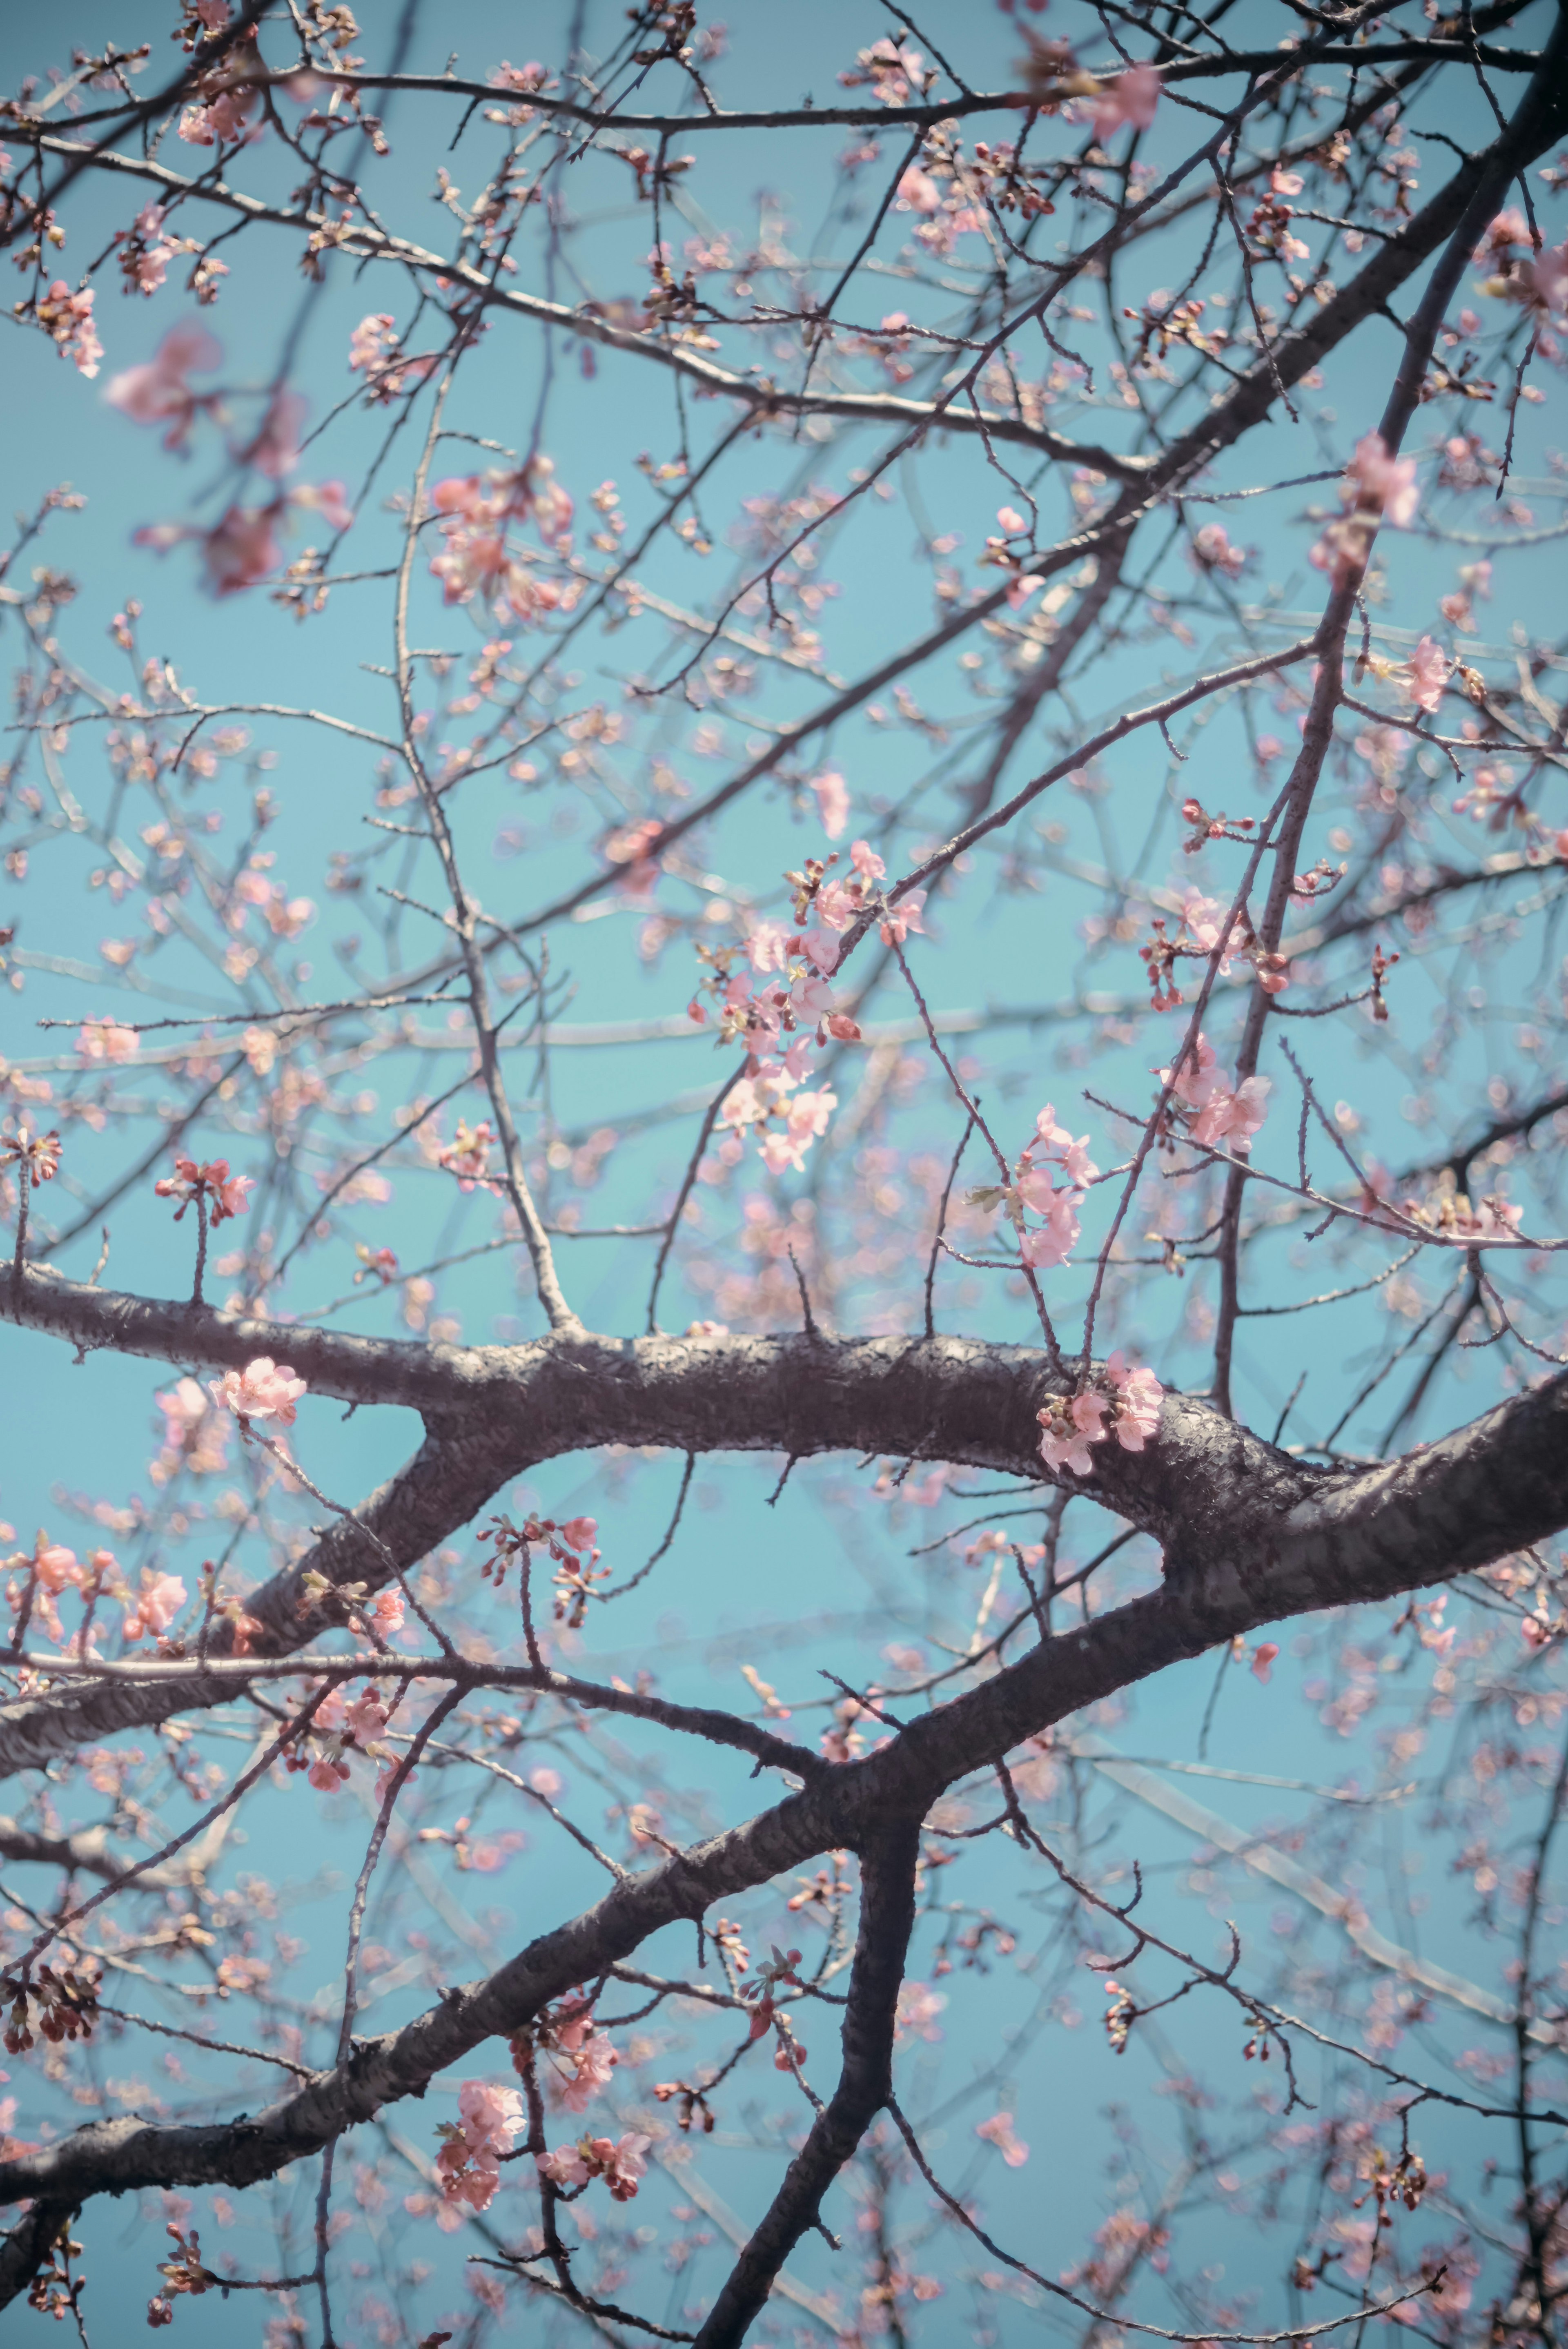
(865, 2083)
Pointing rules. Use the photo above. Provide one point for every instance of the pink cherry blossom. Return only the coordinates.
(1233, 1116)
(365, 1718)
(1138, 1395)
(903, 917)
(832, 802)
(625, 2167)
(490, 2117)
(1131, 98)
(1054, 1142)
(328, 499)
(56, 1568)
(866, 861)
(765, 946)
(263, 1389)
(242, 549)
(1051, 1245)
(1385, 484)
(918, 2008)
(999, 2131)
(1221, 1111)
(1263, 1659)
(103, 1040)
(145, 252)
(1211, 551)
(276, 449)
(386, 1612)
(1545, 280)
(592, 2061)
(918, 193)
(68, 319)
(1066, 1432)
(579, 1533)
(565, 2167)
(156, 1604)
(1426, 673)
(156, 392)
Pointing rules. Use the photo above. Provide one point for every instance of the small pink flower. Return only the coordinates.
(866, 861)
(1054, 1142)
(490, 2117)
(366, 1717)
(158, 393)
(1053, 1244)
(625, 2168)
(903, 917)
(1545, 280)
(1138, 1395)
(766, 947)
(156, 1603)
(1263, 1659)
(68, 318)
(999, 2131)
(1385, 484)
(386, 1612)
(1233, 1116)
(1211, 551)
(103, 1040)
(242, 549)
(328, 499)
(593, 2062)
(565, 2168)
(918, 191)
(1067, 1431)
(263, 1389)
(1132, 99)
(832, 795)
(579, 1533)
(1426, 673)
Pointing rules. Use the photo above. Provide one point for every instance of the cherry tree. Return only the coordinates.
(976, 744)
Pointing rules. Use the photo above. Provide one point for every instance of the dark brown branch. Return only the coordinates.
(865, 2083)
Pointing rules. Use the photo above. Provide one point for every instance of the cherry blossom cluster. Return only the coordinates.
(1201, 934)
(1523, 271)
(1209, 1106)
(490, 2121)
(467, 1155)
(40, 1579)
(618, 2161)
(1033, 1191)
(1451, 1211)
(579, 2056)
(35, 1154)
(761, 1008)
(62, 2003)
(338, 1728)
(243, 546)
(375, 351)
(570, 1544)
(1125, 1405)
(477, 558)
(66, 317)
(212, 1188)
(1378, 488)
